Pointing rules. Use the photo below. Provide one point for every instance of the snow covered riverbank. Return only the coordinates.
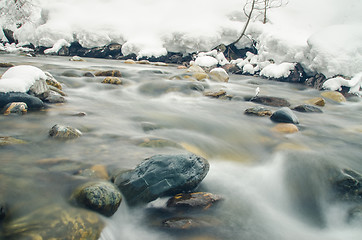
(323, 36)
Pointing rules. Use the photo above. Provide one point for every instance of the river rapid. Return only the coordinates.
(274, 185)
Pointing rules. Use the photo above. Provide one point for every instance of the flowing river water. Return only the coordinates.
(274, 185)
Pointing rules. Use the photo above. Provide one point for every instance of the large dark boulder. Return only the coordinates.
(9, 34)
(32, 102)
(297, 75)
(316, 81)
(162, 175)
(284, 115)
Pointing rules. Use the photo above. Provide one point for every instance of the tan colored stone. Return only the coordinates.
(285, 128)
(130, 61)
(335, 96)
(200, 76)
(195, 69)
(100, 171)
(112, 80)
(318, 101)
(181, 67)
(108, 73)
(219, 74)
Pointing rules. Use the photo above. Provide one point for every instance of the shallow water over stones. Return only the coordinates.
(273, 185)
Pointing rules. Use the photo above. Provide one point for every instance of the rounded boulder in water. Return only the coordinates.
(162, 175)
(284, 115)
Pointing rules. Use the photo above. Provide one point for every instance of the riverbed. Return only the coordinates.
(273, 184)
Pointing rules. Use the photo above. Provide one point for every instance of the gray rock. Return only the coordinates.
(32, 102)
(284, 115)
(348, 186)
(39, 89)
(270, 101)
(355, 215)
(162, 175)
(102, 197)
(307, 108)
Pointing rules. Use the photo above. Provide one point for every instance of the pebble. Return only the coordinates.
(64, 132)
(285, 128)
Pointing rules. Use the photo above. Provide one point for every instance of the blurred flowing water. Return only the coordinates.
(274, 185)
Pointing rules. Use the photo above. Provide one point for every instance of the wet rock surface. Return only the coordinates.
(32, 102)
(102, 197)
(270, 101)
(162, 175)
(198, 200)
(64, 132)
(258, 111)
(284, 115)
(307, 108)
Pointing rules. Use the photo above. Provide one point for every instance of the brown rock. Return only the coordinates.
(109, 73)
(112, 80)
(317, 101)
(258, 111)
(285, 128)
(198, 200)
(16, 107)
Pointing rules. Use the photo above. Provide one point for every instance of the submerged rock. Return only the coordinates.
(348, 185)
(54, 222)
(285, 128)
(102, 197)
(189, 223)
(32, 102)
(162, 175)
(4, 141)
(355, 215)
(270, 101)
(284, 115)
(307, 108)
(198, 200)
(258, 111)
(15, 108)
(64, 132)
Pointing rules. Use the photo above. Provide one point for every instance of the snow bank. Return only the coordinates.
(20, 78)
(277, 70)
(336, 50)
(336, 83)
(324, 35)
(57, 46)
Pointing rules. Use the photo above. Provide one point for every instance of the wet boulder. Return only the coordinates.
(102, 197)
(270, 101)
(284, 115)
(307, 108)
(32, 102)
(112, 80)
(197, 200)
(64, 132)
(348, 185)
(162, 175)
(285, 128)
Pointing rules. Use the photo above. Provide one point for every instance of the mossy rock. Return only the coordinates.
(54, 222)
(102, 197)
(4, 141)
(112, 80)
(108, 73)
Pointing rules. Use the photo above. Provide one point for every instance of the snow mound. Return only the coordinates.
(206, 61)
(277, 70)
(337, 50)
(20, 78)
(57, 46)
(336, 83)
